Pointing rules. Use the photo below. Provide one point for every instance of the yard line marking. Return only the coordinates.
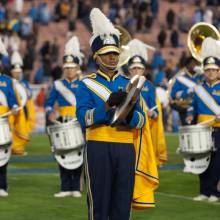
(183, 197)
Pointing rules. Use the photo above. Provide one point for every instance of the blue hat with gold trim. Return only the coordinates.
(136, 61)
(72, 54)
(211, 63)
(105, 38)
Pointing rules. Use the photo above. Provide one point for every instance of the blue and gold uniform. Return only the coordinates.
(63, 93)
(110, 154)
(181, 91)
(206, 105)
(91, 111)
(8, 101)
(8, 98)
(106, 143)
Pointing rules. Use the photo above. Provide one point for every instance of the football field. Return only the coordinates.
(34, 179)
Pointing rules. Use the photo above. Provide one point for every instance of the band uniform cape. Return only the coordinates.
(146, 174)
(156, 123)
(158, 135)
(19, 125)
(30, 108)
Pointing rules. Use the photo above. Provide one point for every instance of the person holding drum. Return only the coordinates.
(206, 106)
(181, 87)
(63, 92)
(8, 101)
(109, 156)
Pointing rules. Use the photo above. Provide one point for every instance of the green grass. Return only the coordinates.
(31, 195)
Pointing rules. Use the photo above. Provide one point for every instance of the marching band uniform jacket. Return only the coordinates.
(92, 94)
(63, 92)
(8, 98)
(204, 101)
(180, 88)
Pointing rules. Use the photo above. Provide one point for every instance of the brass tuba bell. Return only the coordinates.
(197, 35)
(125, 37)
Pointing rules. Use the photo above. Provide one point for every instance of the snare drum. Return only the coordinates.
(5, 133)
(66, 136)
(195, 139)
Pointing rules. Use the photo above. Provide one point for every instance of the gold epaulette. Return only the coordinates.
(90, 75)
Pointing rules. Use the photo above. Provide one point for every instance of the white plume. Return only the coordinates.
(210, 47)
(138, 48)
(3, 50)
(101, 25)
(16, 58)
(72, 47)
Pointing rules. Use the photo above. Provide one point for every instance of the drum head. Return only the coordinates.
(196, 165)
(5, 154)
(70, 160)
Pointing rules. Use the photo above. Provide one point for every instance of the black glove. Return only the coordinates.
(116, 98)
(130, 115)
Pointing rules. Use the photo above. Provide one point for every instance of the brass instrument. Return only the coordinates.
(125, 37)
(196, 36)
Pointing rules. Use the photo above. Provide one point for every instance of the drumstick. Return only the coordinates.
(207, 121)
(152, 109)
(56, 122)
(9, 112)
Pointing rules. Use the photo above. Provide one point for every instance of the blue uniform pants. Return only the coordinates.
(70, 179)
(3, 177)
(209, 179)
(110, 171)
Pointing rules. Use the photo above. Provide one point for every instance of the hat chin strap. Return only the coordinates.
(106, 66)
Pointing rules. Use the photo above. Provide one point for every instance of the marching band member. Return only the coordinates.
(110, 156)
(8, 101)
(63, 92)
(24, 92)
(137, 66)
(181, 90)
(206, 106)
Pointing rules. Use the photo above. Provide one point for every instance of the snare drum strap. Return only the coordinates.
(207, 99)
(65, 92)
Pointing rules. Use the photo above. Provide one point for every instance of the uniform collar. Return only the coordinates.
(189, 74)
(106, 76)
(67, 80)
(215, 83)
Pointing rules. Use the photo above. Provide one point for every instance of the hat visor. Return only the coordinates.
(69, 65)
(107, 49)
(136, 65)
(211, 66)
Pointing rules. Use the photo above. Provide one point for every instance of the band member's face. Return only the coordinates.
(136, 71)
(71, 72)
(212, 75)
(109, 59)
(16, 74)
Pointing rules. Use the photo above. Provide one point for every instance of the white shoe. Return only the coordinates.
(213, 199)
(63, 194)
(3, 193)
(200, 198)
(76, 194)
